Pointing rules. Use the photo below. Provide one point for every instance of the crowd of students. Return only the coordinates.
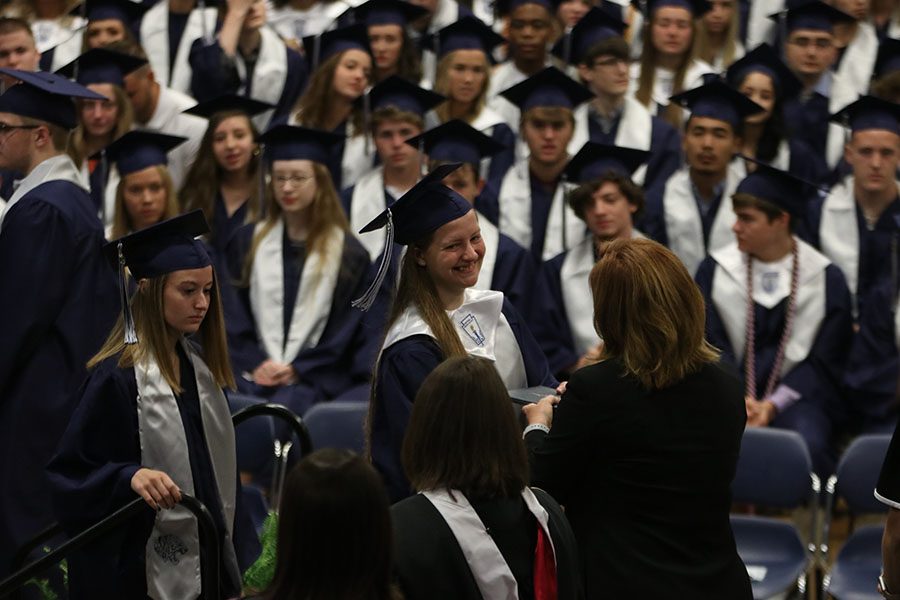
(759, 141)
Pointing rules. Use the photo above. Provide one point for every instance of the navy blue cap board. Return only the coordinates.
(869, 112)
(383, 12)
(549, 87)
(789, 193)
(229, 103)
(716, 100)
(467, 33)
(45, 97)
(140, 149)
(99, 65)
(402, 94)
(126, 11)
(594, 160)
(506, 7)
(291, 142)
(319, 48)
(888, 59)
(813, 15)
(696, 7)
(456, 141)
(764, 59)
(598, 25)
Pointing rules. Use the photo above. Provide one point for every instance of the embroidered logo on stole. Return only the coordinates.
(470, 325)
(170, 548)
(770, 281)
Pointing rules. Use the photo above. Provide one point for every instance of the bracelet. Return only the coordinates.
(535, 427)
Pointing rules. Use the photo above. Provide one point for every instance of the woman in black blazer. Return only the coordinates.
(644, 444)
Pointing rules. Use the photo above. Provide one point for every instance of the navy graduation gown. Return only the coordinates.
(550, 321)
(223, 226)
(91, 477)
(514, 274)
(58, 301)
(653, 221)
(503, 160)
(808, 121)
(400, 371)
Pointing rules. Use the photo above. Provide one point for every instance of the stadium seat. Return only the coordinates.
(337, 425)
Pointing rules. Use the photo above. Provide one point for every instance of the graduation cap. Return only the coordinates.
(787, 192)
(383, 12)
(44, 96)
(126, 11)
(888, 59)
(100, 65)
(157, 250)
(812, 14)
(405, 95)
(456, 141)
(696, 7)
(139, 149)
(291, 142)
(229, 103)
(320, 48)
(468, 33)
(598, 25)
(869, 112)
(717, 100)
(505, 7)
(550, 87)
(764, 59)
(594, 160)
(420, 211)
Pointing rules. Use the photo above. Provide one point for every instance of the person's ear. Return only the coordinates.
(418, 255)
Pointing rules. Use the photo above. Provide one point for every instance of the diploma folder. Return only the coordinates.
(530, 395)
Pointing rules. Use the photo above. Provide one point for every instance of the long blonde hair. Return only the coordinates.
(124, 122)
(649, 57)
(702, 50)
(442, 86)
(156, 340)
(122, 224)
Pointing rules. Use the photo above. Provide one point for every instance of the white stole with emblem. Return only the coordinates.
(859, 58)
(729, 295)
(313, 304)
(368, 201)
(482, 328)
(684, 226)
(269, 74)
(173, 550)
(55, 168)
(155, 41)
(515, 214)
(492, 574)
(839, 232)
(491, 237)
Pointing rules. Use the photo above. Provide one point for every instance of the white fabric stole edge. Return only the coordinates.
(314, 296)
(269, 74)
(859, 57)
(356, 162)
(839, 232)
(577, 297)
(55, 168)
(368, 201)
(492, 574)
(176, 574)
(842, 94)
(491, 237)
(154, 37)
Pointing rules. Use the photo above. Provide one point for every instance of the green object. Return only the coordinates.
(44, 586)
(259, 575)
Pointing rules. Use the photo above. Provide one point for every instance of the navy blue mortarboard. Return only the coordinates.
(420, 211)
(126, 11)
(869, 112)
(594, 160)
(44, 96)
(550, 87)
(787, 192)
(229, 103)
(764, 59)
(814, 15)
(696, 7)
(456, 141)
(599, 24)
(716, 100)
(158, 250)
(505, 7)
(140, 149)
(99, 65)
(888, 59)
(290, 142)
(384, 12)
(320, 48)
(468, 33)
(405, 95)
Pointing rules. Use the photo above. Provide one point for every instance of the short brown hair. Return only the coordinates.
(13, 24)
(463, 435)
(614, 46)
(649, 313)
(887, 87)
(59, 136)
(770, 209)
(392, 113)
(580, 197)
(549, 113)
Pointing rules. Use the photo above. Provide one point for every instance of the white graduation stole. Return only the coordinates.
(491, 236)
(515, 214)
(760, 28)
(859, 58)
(485, 123)
(781, 161)
(269, 74)
(110, 188)
(67, 50)
(368, 201)
(173, 550)
(577, 296)
(492, 574)
(684, 226)
(842, 94)
(56, 168)
(314, 296)
(839, 232)
(729, 295)
(155, 41)
(356, 160)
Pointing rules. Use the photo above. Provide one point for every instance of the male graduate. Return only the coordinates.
(607, 201)
(613, 117)
(17, 51)
(780, 313)
(531, 207)
(57, 295)
(398, 110)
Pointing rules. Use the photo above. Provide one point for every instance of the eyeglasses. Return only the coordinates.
(6, 127)
(295, 180)
(805, 42)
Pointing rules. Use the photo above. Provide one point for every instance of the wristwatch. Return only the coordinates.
(882, 589)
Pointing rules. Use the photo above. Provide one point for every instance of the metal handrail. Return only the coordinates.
(283, 413)
(209, 554)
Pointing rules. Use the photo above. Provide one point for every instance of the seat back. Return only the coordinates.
(773, 470)
(337, 425)
(857, 473)
(254, 439)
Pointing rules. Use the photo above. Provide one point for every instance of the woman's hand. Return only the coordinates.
(542, 412)
(271, 374)
(156, 488)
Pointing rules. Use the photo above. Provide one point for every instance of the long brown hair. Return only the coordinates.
(312, 108)
(649, 57)
(462, 434)
(649, 313)
(202, 182)
(124, 121)
(122, 224)
(156, 340)
(442, 86)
